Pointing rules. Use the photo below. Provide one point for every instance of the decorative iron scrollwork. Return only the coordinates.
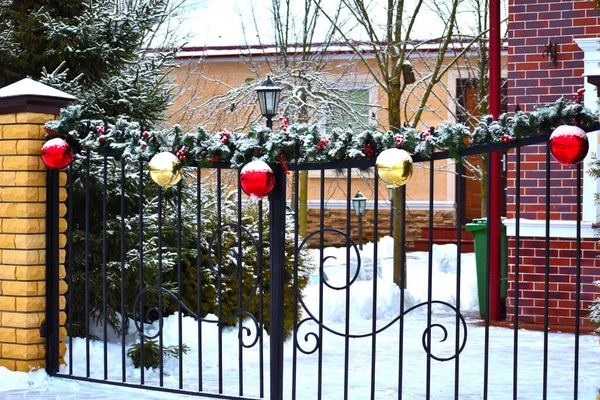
(312, 318)
(245, 332)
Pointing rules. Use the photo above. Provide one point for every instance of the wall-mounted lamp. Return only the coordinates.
(551, 51)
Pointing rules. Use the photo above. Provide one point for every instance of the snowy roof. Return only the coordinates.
(227, 26)
(29, 87)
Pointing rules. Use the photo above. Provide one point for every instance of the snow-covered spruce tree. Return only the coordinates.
(92, 50)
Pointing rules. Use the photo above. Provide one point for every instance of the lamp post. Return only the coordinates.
(268, 99)
(359, 203)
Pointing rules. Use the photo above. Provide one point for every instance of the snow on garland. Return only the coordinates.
(304, 143)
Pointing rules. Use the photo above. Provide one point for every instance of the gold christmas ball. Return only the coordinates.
(394, 167)
(165, 169)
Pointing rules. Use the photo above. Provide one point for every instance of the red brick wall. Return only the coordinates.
(532, 77)
(534, 80)
(562, 279)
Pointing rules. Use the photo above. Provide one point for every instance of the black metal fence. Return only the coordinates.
(220, 297)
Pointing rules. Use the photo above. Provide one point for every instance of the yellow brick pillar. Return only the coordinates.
(25, 107)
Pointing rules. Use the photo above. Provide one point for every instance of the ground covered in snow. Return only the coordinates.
(364, 352)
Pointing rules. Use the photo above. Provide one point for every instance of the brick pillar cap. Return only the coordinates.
(28, 95)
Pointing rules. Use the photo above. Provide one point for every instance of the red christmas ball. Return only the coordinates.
(569, 144)
(257, 179)
(57, 154)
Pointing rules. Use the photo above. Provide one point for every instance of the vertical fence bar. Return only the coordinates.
(579, 212)
(321, 275)
(429, 280)
(69, 265)
(240, 287)
(199, 268)
(87, 264)
(295, 275)
(179, 288)
(104, 262)
(460, 211)
(486, 351)
(261, 323)
(160, 284)
(546, 277)
(401, 194)
(277, 265)
(517, 271)
(123, 315)
(141, 260)
(219, 278)
(52, 274)
(374, 318)
(347, 316)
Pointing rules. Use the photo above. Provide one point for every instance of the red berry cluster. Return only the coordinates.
(101, 139)
(323, 143)
(369, 150)
(507, 138)
(215, 159)
(399, 140)
(428, 134)
(282, 159)
(284, 124)
(225, 137)
(146, 135)
(256, 152)
(50, 132)
(181, 153)
(100, 129)
(578, 97)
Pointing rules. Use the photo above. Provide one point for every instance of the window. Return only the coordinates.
(350, 109)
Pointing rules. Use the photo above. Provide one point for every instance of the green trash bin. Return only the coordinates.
(479, 229)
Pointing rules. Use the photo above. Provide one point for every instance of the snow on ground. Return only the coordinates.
(470, 365)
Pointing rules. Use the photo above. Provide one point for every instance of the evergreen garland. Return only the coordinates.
(303, 143)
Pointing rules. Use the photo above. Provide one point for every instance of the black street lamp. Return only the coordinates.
(268, 99)
(359, 203)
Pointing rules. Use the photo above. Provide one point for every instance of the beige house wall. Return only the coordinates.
(198, 80)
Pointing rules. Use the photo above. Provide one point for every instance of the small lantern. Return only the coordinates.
(268, 99)
(359, 203)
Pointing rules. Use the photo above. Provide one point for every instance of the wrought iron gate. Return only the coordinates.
(234, 294)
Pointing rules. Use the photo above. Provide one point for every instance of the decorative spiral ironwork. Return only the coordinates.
(322, 261)
(307, 336)
(314, 319)
(245, 332)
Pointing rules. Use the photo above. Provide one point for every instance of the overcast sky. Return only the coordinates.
(214, 23)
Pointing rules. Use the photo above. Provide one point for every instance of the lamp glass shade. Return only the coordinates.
(359, 203)
(268, 98)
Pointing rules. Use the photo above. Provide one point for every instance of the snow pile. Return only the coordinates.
(388, 294)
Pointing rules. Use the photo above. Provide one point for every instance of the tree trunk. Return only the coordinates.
(398, 228)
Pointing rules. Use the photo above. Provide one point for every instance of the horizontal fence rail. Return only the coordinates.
(196, 289)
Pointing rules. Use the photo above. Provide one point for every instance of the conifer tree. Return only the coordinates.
(93, 50)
